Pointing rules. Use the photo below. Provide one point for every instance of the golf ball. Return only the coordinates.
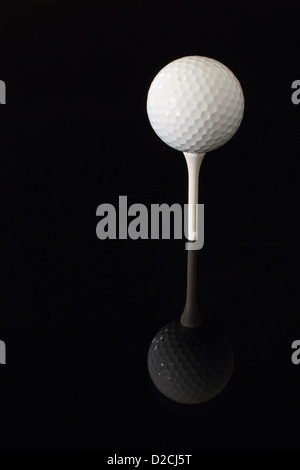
(190, 365)
(195, 104)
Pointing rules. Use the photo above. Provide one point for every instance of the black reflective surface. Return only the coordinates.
(78, 314)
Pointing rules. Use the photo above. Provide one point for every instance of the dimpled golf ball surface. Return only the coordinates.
(190, 365)
(195, 104)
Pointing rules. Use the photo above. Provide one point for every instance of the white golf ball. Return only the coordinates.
(195, 104)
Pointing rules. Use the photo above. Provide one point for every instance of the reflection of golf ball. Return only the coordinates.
(195, 104)
(190, 365)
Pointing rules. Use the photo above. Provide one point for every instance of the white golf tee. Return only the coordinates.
(193, 161)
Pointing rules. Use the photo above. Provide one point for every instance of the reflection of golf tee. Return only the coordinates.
(191, 316)
(193, 161)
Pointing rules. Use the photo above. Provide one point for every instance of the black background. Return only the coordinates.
(78, 313)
